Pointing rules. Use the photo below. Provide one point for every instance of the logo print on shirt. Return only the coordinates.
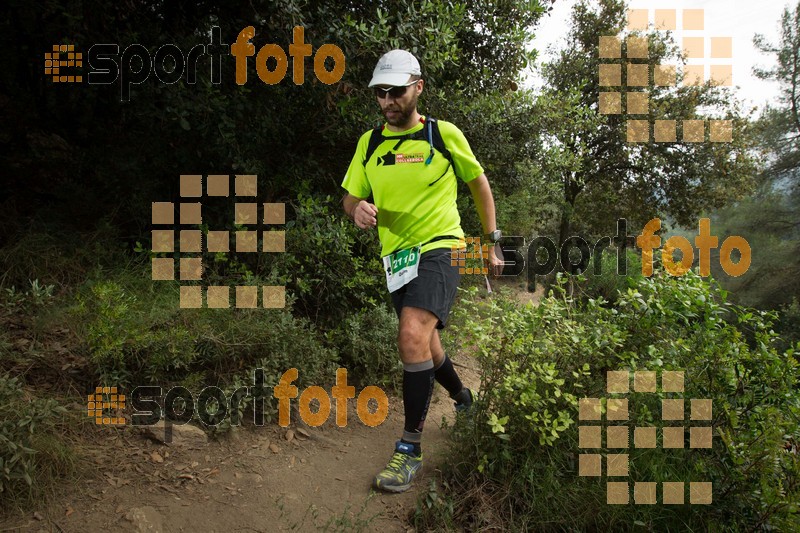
(410, 158)
(387, 159)
(399, 159)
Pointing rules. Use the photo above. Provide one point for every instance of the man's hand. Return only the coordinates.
(365, 215)
(494, 263)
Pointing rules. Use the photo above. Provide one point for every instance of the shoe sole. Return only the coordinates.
(392, 488)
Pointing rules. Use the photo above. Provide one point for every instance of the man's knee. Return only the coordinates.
(414, 333)
(411, 339)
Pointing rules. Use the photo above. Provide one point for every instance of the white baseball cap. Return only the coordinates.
(394, 68)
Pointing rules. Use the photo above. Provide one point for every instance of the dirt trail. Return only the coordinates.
(256, 480)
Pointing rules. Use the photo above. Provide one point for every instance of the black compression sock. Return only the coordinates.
(448, 378)
(417, 388)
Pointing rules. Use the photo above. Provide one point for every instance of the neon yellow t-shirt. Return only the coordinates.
(416, 202)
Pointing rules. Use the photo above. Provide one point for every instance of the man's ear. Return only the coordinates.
(420, 86)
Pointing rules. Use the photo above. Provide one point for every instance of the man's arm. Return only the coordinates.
(363, 213)
(484, 203)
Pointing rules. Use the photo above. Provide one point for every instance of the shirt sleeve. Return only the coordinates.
(466, 165)
(355, 181)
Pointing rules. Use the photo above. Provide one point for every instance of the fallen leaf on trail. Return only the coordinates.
(156, 457)
(303, 432)
(289, 435)
(38, 516)
(70, 510)
(274, 448)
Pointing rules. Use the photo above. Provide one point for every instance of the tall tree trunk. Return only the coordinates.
(570, 194)
(571, 191)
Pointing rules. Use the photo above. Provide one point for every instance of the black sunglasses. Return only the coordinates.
(394, 92)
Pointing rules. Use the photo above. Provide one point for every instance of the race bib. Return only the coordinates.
(401, 267)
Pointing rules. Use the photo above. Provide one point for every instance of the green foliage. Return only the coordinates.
(788, 326)
(120, 338)
(330, 265)
(770, 218)
(603, 176)
(366, 342)
(16, 301)
(21, 417)
(770, 222)
(515, 465)
(608, 283)
(780, 121)
(133, 340)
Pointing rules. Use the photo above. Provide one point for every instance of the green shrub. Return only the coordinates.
(788, 325)
(22, 418)
(51, 249)
(135, 337)
(367, 346)
(516, 465)
(330, 265)
(608, 282)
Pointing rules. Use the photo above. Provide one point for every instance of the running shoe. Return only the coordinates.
(397, 475)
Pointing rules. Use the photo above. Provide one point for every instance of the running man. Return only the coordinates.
(409, 167)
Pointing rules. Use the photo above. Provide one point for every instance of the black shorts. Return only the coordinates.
(434, 288)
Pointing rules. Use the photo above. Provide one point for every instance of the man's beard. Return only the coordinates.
(404, 113)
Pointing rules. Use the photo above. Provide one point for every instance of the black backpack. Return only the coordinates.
(429, 133)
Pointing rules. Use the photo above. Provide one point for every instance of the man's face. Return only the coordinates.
(398, 110)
